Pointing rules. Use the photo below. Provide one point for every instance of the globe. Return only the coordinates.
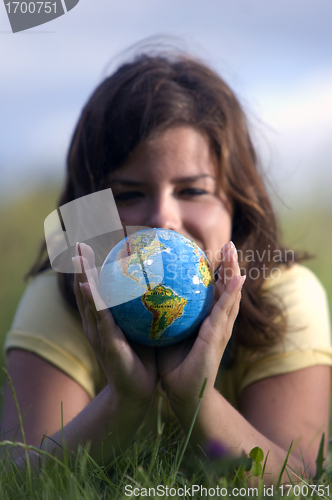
(159, 286)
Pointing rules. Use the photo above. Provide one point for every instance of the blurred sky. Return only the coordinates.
(275, 54)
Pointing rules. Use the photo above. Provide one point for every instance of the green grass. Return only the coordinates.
(149, 462)
(152, 466)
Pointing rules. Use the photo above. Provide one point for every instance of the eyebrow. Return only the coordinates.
(193, 178)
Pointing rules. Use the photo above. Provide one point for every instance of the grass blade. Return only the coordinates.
(178, 462)
(284, 466)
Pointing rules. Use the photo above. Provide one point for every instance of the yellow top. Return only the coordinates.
(46, 325)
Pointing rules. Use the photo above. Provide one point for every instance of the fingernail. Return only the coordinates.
(76, 249)
(76, 264)
(224, 249)
(233, 248)
(244, 277)
(231, 255)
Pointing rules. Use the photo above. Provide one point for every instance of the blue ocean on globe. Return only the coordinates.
(159, 286)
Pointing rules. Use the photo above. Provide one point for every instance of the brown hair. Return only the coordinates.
(149, 95)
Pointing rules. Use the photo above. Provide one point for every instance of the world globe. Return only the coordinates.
(159, 286)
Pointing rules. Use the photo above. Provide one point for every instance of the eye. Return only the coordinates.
(193, 192)
(127, 196)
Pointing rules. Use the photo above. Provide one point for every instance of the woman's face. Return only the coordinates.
(170, 182)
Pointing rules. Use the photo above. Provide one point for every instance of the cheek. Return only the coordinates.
(222, 235)
(217, 223)
(131, 216)
(213, 227)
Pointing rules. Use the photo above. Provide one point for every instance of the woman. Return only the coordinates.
(168, 136)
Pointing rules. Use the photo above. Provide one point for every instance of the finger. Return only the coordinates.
(106, 332)
(235, 308)
(82, 268)
(83, 274)
(230, 263)
(77, 289)
(98, 323)
(234, 312)
(92, 294)
(225, 249)
(222, 309)
(219, 289)
(220, 283)
(86, 251)
(89, 320)
(88, 254)
(100, 310)
(79, 277)
(230, 256)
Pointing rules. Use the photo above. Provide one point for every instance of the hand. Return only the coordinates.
(130, 368)
(184, 366)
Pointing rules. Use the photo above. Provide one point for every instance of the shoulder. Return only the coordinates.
(307, 339)
(304, 303)
(46, 325)
(43, 307)
(292, 280)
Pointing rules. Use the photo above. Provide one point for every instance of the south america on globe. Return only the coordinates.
(159, 286)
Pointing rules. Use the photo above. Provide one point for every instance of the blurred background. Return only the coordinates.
(275, 55)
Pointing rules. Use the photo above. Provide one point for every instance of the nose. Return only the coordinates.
(164, 212)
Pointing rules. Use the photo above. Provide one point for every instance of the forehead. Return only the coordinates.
(179, 152)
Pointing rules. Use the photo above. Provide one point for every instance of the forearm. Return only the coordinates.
(218, 421)
(106, 424)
